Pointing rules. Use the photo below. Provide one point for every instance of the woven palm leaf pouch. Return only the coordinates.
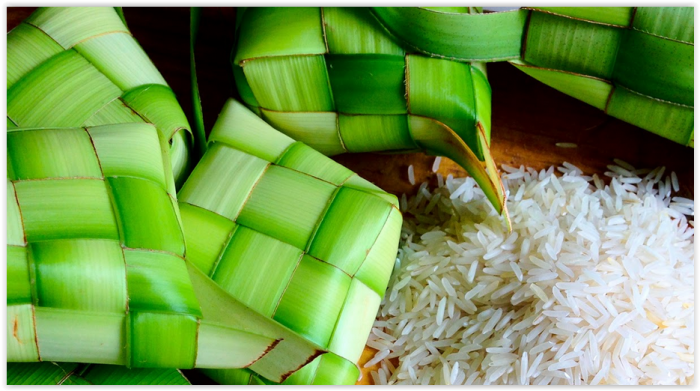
(634, 63)
(333, 79)
(293, 235)
(96, 262)
(80, 66)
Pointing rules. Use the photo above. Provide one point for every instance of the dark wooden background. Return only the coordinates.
(529, 118)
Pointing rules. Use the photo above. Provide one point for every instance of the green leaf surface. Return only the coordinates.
(357, 182)
(27, 47)
(370, 133)
(206, 235)
(45, 373)
(63, 91)
(571, 45)
(19, 289)
(347, 248)
(355, 321)
(60, 153)
(238, 127)
(244, 90)
(659, 68)
(318, 130)
(146, 217)
(223, 190)
(482, 98)
(51, 373)
(216, 344)
(287, 205)
(255, 269)
(376, 270)
(334, 370)
(80, 275)
(220, 309)
(691, 141)
(127, 150)
(71, 25)
(117, 375)
(61, 209)
(665, 119)
(443, 90)
(121, 59)
(313, 300)
(353, 30)
(21, 334)
(15, 228)
(158, 282)
(79, 336)
(670, 22)
(290, 83)
(162, 340)
(368, 84)
(158, 105)
(114, 112)
(302, 158)
(459, 36)
(588, 89)
(618, 16)
(286, 31)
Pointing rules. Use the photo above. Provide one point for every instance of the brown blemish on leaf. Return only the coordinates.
(269, 348)
(15, 329)
(311, 358)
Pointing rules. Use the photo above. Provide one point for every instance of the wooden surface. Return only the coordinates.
(529, 118)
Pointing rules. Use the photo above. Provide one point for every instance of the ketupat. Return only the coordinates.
(96, 270)
(295, 236)
(80, 66)
(635, 63)
(330, 77)
(49, 373)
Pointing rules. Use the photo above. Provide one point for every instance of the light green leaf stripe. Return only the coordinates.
(459, 36)
(591, 90)
(616, 16)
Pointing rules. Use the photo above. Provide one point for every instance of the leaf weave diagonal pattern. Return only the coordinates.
(635, 63)
(293, 235)
(80, 66)
(334, 80)
(95, 241)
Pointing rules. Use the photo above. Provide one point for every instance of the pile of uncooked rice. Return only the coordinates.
(593, 286)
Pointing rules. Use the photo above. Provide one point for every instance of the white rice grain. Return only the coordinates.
(593, 286)
(436, 164)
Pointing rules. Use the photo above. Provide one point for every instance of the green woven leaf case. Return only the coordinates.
(80, 66)
(294, 236)
(635, 63)
(331, 78)
(96, 266)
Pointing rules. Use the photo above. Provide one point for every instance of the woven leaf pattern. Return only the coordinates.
(635, 63)
(80, 66)
(293, 235)
(338, 62)
(332, 79)
(95, 236)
